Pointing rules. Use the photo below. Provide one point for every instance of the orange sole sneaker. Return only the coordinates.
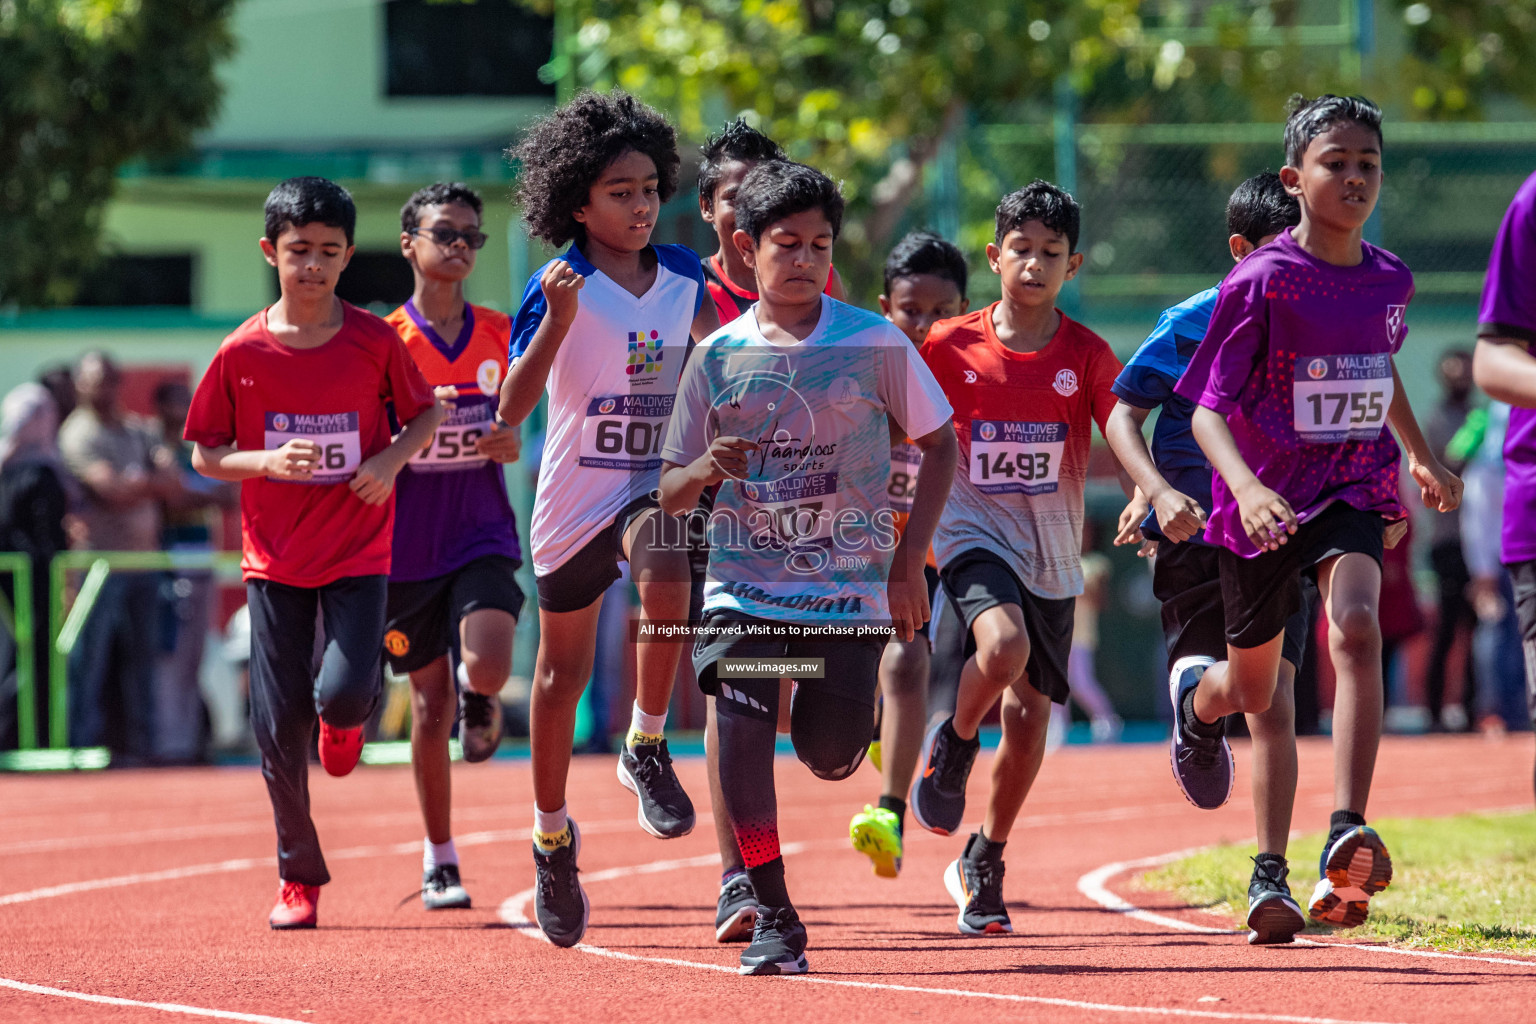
(340, 749)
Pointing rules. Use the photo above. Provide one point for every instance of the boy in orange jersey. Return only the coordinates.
(456, 543)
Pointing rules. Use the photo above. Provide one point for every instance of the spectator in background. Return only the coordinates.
(125, 474)
(33, 501)
(186, 606)
(59, 380)
(1456, 618)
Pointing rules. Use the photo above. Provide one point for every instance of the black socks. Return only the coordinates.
(898, 807)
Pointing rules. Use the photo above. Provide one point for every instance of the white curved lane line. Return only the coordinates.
(191, 1011)
(1094, 886)
(514, 912)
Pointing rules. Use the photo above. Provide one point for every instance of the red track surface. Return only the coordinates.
(890, 950)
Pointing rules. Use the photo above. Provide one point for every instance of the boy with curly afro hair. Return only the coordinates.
(604, 330)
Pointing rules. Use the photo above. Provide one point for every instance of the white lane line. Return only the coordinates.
(191, 1011)
(1094, 886)
(514, 912)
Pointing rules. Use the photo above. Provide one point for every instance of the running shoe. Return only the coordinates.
(976, 885)
(559, 903)
(1355, 866)
(736, 910)
(646, 771)
(479, 725)
(298, 906)
(937, 799)
(778, 943)
(442, 890)
(876, 833)
(339, 749)
(1202, 765)
(1273, 914)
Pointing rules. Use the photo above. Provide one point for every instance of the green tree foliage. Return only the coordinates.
(85, 86)
(1462, 52)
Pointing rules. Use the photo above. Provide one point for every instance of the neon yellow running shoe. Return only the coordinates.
(874, 754)
(876, 833)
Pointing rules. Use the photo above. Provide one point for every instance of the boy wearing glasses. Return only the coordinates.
(456, 542)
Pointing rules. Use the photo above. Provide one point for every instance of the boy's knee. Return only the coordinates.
(830, 755)
(349, 706)
(1356, 630)
(1003, 661)
(487, 673)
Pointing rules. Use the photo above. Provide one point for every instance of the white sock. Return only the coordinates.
(463, 676)
(549, 823)
(647, 725)
(434, 854)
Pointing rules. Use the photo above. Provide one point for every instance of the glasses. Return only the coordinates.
(447, 236)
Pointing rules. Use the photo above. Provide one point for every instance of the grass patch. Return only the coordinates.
(1465, 884)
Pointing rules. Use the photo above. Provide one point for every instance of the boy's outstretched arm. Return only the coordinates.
(682, 485)
(1506, 370)
(524, 386)
(907, 589)
(1179, 516)
(1268, 519)
(295, 461)
(375, 477)
(1438, 487)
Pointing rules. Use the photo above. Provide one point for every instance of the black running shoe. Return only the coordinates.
(1355, 866)
(1274, 916)
(778, 943)
(976, 884)
(559, 904)
(479, 725)
(737, 910)
(442, 890)
(1202, 765)
(646, 771)
(937, 799)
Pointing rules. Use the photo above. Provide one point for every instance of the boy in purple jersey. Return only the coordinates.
(1503, 366)
(1293, 384)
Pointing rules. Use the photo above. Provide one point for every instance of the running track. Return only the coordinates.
(141, 897)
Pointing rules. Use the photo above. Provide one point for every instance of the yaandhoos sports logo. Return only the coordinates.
(645, 357)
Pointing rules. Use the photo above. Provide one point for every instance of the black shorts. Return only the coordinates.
(697, 528)
(1261, 594)
(1186, 578)
(582, 578)
(423, 614)
(977, 579)
(931, 577)
(1523, 576)
(851, 670)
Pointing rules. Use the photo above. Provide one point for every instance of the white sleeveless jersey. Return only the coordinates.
(611, 389)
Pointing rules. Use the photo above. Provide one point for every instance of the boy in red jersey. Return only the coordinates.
(456, 544)
(1026, 384)
(295, 406)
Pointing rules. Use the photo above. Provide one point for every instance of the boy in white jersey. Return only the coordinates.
(604, 329)
(787, 408)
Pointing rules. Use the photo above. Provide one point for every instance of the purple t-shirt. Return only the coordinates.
(1298, 359)
(1509, 311)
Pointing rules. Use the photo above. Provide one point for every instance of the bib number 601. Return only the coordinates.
(635, 437)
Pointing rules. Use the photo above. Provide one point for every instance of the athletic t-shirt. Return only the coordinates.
(1147, 382)
(1024, 421)
(258, 394)
(611, 388)
(807, 536)
(730, 300)
(1508, 310)
(451, 503)
(1298, 358)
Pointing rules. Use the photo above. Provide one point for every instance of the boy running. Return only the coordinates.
(295, 405)
(1010, 540)
(787, 406)
(925, 278)
(456, 543)
(602, 330)
(1503, 366)
(1173, 493)
(1293, 383)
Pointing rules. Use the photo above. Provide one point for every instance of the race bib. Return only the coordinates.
(341, 446)
(453, 446)
(906, 458)
(794, 511)
(1342, 398)
(1010, 457)
(625, 432)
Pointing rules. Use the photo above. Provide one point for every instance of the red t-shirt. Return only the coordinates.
(258, 393)
(730, 300)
